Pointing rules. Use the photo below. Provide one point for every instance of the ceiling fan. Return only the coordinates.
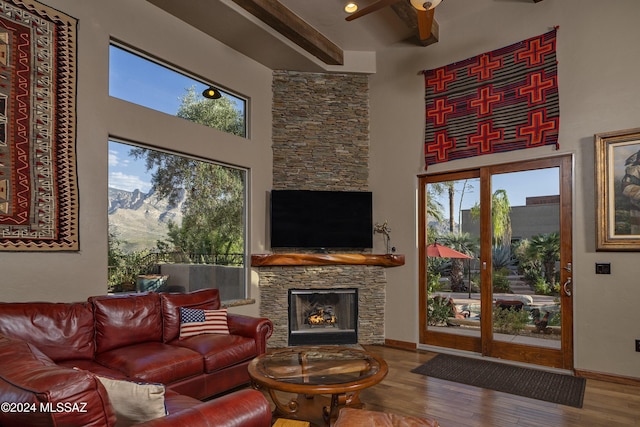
(425, 10)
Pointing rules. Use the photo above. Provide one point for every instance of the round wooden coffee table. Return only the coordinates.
(309, 372)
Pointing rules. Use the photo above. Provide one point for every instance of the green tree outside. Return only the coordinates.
(214, 195)
(213, 210)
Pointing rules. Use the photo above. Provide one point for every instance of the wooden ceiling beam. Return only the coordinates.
(408, 14)
(290, 25)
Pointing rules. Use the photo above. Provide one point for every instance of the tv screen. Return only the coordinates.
(321, 219)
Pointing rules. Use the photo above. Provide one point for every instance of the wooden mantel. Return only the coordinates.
(382, 260)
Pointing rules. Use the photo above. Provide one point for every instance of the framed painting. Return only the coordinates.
(617, 164)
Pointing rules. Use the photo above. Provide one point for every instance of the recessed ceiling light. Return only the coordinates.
(350, 7)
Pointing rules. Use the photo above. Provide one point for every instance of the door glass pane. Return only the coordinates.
(525, 217)
(453, 285)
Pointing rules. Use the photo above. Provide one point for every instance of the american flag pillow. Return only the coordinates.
(195, 322)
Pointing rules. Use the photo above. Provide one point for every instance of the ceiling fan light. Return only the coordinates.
(350, 7)
(425, 5)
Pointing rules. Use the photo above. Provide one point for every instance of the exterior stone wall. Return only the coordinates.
(321, 142)
(371, 282)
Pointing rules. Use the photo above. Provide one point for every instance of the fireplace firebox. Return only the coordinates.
(323, 316)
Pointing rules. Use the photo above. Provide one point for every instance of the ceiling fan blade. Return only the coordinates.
(372, 8)
(425, 22)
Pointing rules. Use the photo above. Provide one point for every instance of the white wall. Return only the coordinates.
(599, 58)
(75, 276)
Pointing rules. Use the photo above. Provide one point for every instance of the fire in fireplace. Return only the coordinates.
(323, 316)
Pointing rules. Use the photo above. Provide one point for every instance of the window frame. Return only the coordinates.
(185, 73)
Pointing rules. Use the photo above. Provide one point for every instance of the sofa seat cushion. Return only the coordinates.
(60, 330)
(153, 362)
(220, 351)
(93, 367)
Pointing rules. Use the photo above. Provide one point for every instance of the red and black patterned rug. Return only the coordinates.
(38, 183)
(499, 101)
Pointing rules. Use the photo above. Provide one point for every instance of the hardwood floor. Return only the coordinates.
(458, 405)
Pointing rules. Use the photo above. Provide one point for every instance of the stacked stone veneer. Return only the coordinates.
(371, 282)
(321, 142)
(320, 131)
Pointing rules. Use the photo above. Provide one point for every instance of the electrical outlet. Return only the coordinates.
(638, 345)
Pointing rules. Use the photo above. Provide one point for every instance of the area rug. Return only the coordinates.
(38, 182)
(527, 382)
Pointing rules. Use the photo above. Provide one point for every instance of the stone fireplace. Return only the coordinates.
(369, 282)
(321, 142)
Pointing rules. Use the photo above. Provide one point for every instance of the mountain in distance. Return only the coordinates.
(139, 219)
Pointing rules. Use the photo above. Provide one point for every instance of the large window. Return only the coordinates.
(176, 222)
(135, 78)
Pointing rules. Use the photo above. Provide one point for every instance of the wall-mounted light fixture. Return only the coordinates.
(211, 93)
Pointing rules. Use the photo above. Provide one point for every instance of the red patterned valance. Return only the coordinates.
(498, 101)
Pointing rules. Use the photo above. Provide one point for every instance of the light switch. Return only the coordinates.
(603, 268)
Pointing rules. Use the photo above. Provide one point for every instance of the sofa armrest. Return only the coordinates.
(28, 377)
(244, 408)
(258, 328)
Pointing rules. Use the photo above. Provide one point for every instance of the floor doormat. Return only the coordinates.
(527, 382)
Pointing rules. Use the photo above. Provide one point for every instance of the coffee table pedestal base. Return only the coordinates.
(320, 410)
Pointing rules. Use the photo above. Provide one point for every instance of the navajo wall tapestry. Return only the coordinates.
(38, 183)
(498, 101)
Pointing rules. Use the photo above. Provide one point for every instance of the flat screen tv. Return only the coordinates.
(321, 219)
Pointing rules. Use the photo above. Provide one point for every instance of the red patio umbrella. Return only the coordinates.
(436, 250)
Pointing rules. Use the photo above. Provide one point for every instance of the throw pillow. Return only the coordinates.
(194, 321)
(134, 402)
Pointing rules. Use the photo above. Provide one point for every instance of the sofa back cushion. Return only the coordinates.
(45, 394)
(207, 299)
(122, 320)
(63, 331)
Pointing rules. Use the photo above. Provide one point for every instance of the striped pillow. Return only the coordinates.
(195, 322)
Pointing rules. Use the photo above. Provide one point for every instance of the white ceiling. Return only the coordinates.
(232, 25)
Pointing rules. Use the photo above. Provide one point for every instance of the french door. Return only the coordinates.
(508, 294)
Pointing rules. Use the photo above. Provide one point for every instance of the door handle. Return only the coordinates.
(567, 287)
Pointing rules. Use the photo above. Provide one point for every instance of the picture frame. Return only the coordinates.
(617, 175)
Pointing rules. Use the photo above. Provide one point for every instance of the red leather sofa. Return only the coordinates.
(52, 352)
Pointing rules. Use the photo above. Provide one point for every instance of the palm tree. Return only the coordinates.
(501, 218)
(434, 208)
(546, 249)
(466, 244)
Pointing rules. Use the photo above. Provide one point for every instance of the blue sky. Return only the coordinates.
(124, 172)
(518, 185)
